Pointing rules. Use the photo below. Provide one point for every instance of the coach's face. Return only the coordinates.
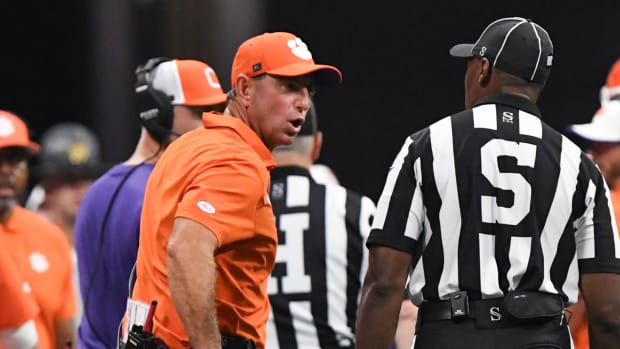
(277, 107)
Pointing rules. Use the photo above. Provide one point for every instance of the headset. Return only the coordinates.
(154, 106)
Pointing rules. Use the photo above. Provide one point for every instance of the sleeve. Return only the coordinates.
(224, 197)
(398, 220)
(18, 306)
(597, 241)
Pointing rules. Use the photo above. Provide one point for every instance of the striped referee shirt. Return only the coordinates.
(491, 200)
(315, 285)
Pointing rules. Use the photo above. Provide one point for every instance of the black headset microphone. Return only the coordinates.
(156, 114)
(154, 106)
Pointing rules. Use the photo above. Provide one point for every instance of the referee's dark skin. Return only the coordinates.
(389, 266)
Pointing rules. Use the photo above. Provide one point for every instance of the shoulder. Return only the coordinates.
(29, 222)
(354, 198)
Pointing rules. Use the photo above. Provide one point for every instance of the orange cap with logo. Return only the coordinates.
(280, 54)
(189, 82)
(14, 133)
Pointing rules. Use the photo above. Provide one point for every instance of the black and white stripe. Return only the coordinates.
(491, 200)
(320, 264)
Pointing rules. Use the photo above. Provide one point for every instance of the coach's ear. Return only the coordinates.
(242, 89)
(316, 146)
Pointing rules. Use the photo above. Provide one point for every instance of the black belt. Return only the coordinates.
(236, 342)
(444, 310)
(488, 312)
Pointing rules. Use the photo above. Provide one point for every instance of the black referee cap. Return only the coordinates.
(515, 45)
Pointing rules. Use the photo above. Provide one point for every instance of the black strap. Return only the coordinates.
(236, 342)
(434, 311)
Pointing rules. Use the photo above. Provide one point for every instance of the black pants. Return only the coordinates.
(462, 334)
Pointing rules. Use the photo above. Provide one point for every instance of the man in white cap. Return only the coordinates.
(603, 133)
(602, 137)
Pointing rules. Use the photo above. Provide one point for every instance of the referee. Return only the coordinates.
(316, 282)
(502, 217)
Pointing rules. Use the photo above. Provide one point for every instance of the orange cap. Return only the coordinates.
(611, 90)
(14, 133)
(280, 54)
(613, 78)
(189, 82)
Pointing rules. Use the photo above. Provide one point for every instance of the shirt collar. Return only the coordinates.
(284, 171)
(510, 100)
(214, 120)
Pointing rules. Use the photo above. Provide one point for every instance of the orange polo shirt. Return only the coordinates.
(18, 306)
(42, 255)
(581, 337)
(217, 175)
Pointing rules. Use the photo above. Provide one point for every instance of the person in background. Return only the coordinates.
(497, 219)
(207, 235)
(602, 142)
(68, 164)
(171, 95)
(38, 248)
(316, 282)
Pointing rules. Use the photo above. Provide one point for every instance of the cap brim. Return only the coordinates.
(325, 74)
(206, 101)
(462, 50)
(593, 133)
(39, 171)
(31, 148)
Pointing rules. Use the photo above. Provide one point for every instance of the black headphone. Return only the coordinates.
(154, 106)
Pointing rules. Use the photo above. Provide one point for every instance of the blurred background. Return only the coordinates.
(73, 60)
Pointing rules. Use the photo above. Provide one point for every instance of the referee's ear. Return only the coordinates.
(317, 143)
(484, 72)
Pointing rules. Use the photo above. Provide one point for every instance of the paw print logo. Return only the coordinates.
(38, 262)
(299, 48)
(6, 127)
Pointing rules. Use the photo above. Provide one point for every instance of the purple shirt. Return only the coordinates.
(111, 251)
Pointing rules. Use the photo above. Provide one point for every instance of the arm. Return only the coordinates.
(191, 277)
(382, 295)
(64, 332)
(406, 325)
(600, 293)
(577, 315)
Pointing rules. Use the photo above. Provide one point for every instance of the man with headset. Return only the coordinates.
(171, 95)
